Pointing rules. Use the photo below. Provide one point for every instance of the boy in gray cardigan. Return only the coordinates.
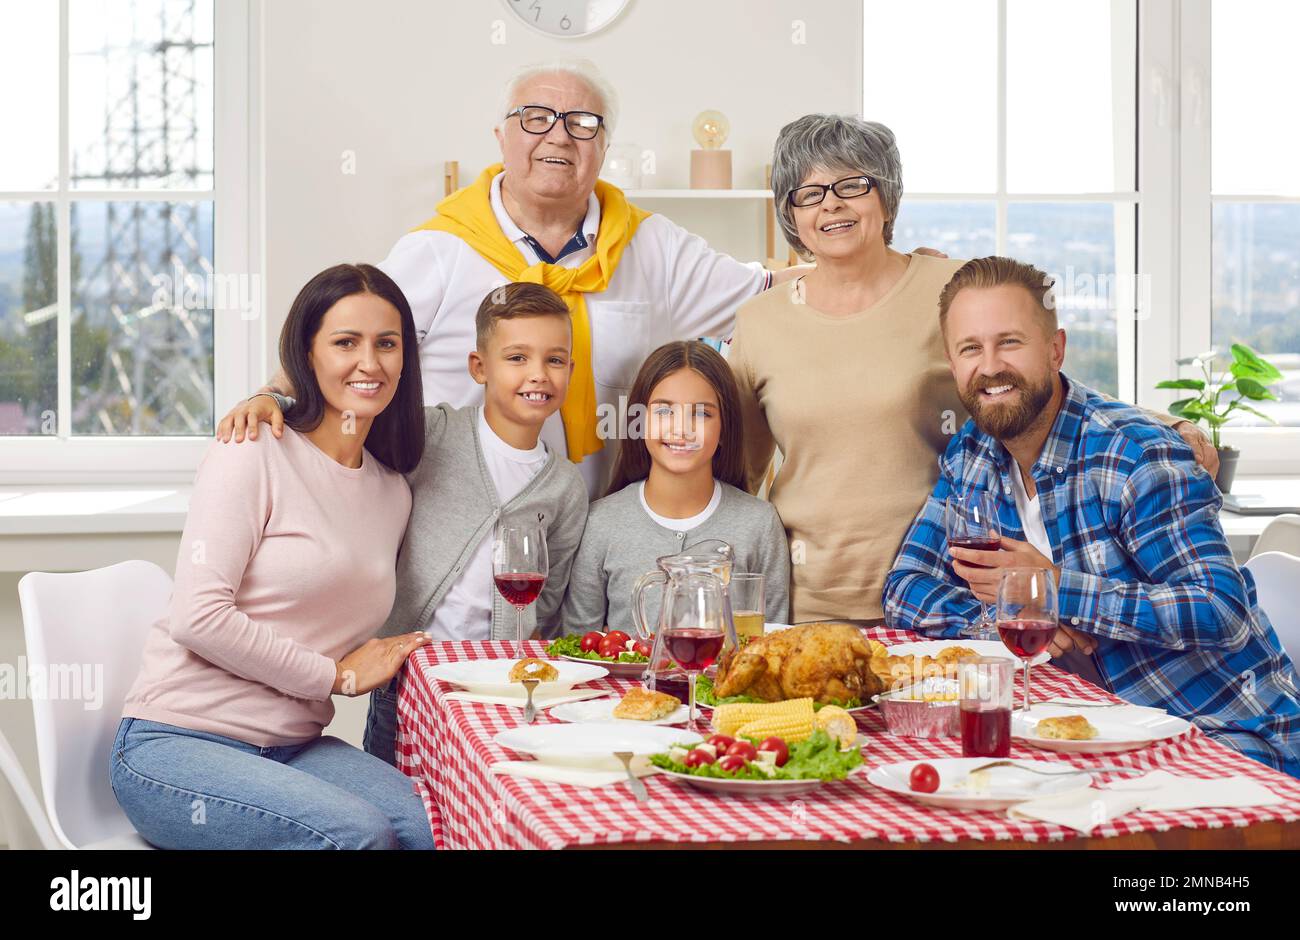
(481, 465)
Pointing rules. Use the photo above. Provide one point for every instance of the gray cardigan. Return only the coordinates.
(454, 507)
(622, 542)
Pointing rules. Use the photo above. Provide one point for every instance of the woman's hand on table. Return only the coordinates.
(375, 662)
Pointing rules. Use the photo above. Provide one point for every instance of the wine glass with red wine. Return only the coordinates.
(519, 568)
(694, 627)
(971, 521)
(1028, 615)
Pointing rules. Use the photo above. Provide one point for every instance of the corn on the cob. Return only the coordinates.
(838, 723)
(790, 729)
(729, 719)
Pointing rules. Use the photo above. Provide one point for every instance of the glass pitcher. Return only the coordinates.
(712, 558)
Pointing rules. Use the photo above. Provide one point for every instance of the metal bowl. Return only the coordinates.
(927, 709)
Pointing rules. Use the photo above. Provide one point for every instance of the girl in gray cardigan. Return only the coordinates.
(679, 479)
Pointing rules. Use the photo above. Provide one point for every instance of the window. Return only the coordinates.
(1255, 183)
(1016, 123)
(116, 329)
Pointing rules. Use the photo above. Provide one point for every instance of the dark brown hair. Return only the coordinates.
(633, 462)
(396, 437)
(515, 300)
(994, 271)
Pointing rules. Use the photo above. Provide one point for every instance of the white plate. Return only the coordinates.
(592, 744)
(602, 709)
(748, 788)
(1119, 729)
(1007, 785)
(622, 670)
(492, 676)
(933, 648)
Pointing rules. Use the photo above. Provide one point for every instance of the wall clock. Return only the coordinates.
(567, 19)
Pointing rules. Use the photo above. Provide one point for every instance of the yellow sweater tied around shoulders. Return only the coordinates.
(467, 214)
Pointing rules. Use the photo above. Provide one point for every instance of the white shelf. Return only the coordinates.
(698, 194)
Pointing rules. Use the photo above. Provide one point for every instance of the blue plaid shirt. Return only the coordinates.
(1145, 570)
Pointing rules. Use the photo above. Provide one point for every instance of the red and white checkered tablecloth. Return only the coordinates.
(446, 747)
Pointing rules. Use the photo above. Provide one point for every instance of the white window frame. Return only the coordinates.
(238, 343)
(1176, 248)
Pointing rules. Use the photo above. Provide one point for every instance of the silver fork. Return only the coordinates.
(1073, 704)
(530, 710)
(1059, 773)
(638, 788)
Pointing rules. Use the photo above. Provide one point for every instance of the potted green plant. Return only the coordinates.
(1247, 379)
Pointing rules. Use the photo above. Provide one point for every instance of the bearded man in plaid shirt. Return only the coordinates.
(1152, 605)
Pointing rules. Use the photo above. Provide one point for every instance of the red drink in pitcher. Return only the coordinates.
(694, 650)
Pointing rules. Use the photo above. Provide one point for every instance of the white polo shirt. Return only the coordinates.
(669, 285)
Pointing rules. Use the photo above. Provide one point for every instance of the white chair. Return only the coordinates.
(1282, 534)
(100, 618)
(28, 802)
(1277, 586)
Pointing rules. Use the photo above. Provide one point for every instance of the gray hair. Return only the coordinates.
(835, 142)
(583, 69)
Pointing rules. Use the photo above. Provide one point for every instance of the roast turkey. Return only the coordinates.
(827, 662)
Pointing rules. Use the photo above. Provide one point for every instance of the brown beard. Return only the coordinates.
(1007, 421)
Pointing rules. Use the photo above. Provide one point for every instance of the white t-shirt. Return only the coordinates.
(1031, 515)
(683, 525)
(669, 285)
(466, 611)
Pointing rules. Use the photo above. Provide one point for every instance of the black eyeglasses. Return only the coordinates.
(814, 193)
(536, 119)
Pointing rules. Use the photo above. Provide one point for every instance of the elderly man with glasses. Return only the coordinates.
(632, 280)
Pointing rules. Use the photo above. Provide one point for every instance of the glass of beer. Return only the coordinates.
(747, 606)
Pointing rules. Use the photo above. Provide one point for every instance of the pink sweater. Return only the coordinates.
(286, 564)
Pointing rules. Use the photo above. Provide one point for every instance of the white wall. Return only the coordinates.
(408, 84)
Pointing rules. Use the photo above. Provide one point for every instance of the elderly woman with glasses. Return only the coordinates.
(632, 280)
(843, 369)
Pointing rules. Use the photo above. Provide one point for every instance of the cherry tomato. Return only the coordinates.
(642, 647)
(743, 749)
(610, 646)
(622, 637)
(697, 758)
(924, 779)
(721, 742)
(591, 641)
(732, 762)
(777, 747)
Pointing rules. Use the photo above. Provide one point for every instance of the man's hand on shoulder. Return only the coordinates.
(247, 415)
(1201, 446)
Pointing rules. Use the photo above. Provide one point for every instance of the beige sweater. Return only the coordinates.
(862, 406)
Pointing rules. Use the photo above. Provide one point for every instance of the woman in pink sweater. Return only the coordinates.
(285, 574)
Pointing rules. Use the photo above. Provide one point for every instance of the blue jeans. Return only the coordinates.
(380, 738)
(186, 789)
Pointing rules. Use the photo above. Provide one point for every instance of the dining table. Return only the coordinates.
(446, 746)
